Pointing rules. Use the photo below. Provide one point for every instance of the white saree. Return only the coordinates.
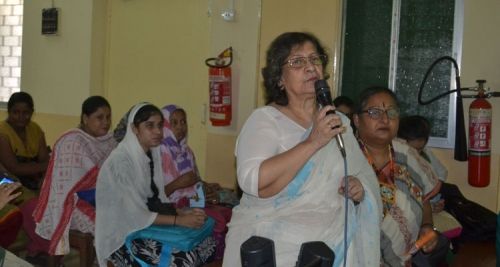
(310, 207)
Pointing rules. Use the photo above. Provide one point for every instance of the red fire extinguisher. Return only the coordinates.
(479, 139)
(219, 79)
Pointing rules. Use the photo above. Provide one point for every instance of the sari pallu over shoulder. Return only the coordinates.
(73, 167)
(311, 209)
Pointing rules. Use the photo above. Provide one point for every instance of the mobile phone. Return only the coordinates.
(6, 180)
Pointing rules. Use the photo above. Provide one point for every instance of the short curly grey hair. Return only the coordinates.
(276, 56)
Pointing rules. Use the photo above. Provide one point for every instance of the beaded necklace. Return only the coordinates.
(386, 182)
(382, 177)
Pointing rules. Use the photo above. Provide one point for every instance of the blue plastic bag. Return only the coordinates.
(178, 237)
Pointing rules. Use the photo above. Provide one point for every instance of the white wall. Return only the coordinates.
(56, 70)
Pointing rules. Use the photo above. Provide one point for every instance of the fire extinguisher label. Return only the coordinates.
(480, 131)
(220, 96)
(217, 116)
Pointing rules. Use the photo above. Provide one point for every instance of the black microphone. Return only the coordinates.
(324, 98)
(315, 254)
(257, 252)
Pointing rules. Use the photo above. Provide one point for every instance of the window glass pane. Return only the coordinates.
(425, 34)
(366, 45)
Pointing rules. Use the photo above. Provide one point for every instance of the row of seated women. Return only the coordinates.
(290, 172)
(145, 174)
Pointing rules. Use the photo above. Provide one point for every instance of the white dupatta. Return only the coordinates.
(123, 186)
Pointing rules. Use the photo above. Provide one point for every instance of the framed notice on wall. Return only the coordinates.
(49, 20)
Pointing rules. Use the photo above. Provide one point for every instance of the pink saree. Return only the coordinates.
(178, 159)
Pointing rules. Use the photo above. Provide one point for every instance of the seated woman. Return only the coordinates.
(22, 142)
(406, 181)
(67, 196)
(181, 173)
(415, 130)
(128, 199)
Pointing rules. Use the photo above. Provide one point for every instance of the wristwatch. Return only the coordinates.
(430, 225)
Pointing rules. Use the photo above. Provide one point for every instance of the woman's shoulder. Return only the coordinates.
(34, 128)
(405, 153)
(421, 169)
(70, 135)
(5, 128)
(266, 117)
(402, 149)
(118, 168)
(80, 135)
(267, 110)
(118, 159)
(3, 124)
(120, 155)
(400, 145)
(269, 113)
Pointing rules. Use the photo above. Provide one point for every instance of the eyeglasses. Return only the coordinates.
(300, 62)
(377, 113)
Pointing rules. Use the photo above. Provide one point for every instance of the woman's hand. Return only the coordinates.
(325, 127)
(211, 195)
(188, 179)
(356, 191)
(7, 193)
(438, 206)
(431, 245)
(192, 218)
(276, 172)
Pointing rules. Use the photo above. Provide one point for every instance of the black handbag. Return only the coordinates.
(478, 222)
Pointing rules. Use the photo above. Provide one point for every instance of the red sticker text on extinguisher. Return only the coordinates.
(479, 130)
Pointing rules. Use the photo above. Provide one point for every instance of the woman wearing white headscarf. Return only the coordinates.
(127, 186)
